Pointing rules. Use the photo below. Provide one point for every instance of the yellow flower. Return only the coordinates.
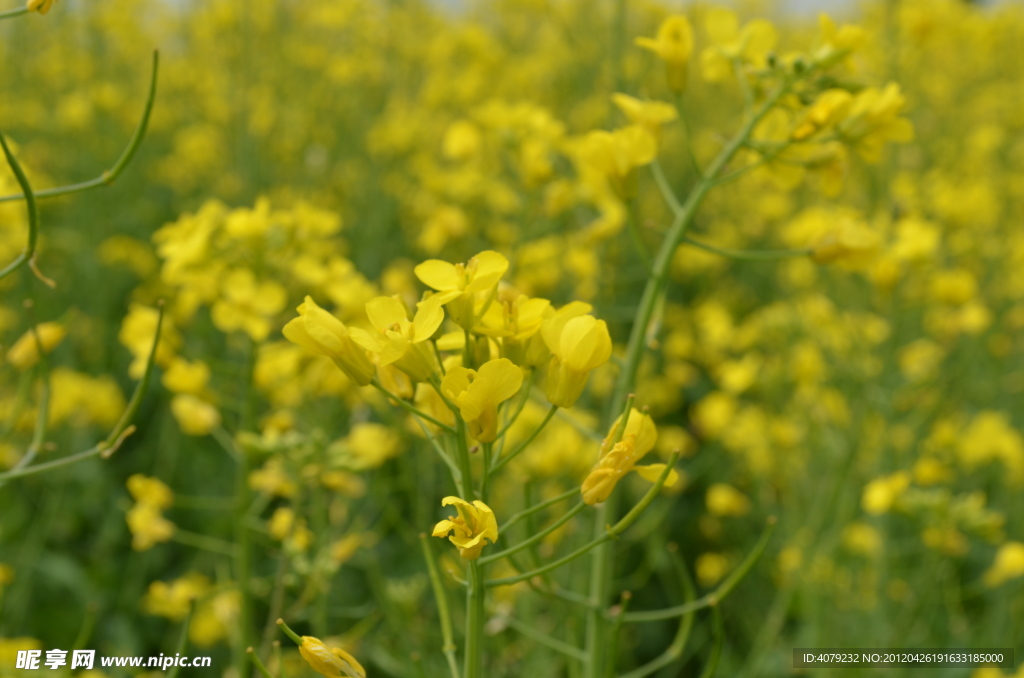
(835, 44)
(749, 44)
(195, 416)
(247, 304)
(172, 600)
(318, 331)
(6, 575)
(674, 45)
(41, 6)
(650, 115)
(367, 446)
(333, 662)
(479, 392)
(1009, 564)
(517, 322)
(148, 526)
(25, 352)
(725, 500)
(183, 376)
(874, 119)
(401, 341)
(827, 110)
(638, 438)
(578, 344)
(615, 155)
(460, 284)
(473, 527)
(152, 491)
(881, 494)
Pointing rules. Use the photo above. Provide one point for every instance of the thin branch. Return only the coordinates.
(108, 176)
(719, 594)
(122, 429)
(748, 255)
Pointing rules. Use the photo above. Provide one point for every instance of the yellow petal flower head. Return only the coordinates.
(148, 526)
(673, 45)
(827, 110)
(873, 120)
(195, 416)
(619, 458)
(578, 345)
(463, 285)
(1009, 564)
(320, 332)
(650, 115)
(152, 491)
(247, 304)
(41, 6)
(515, 321)
(25, 351)
(733, 44)
(836, 43)
(615, 155)
(479, 392)
(332, 662)
(401, 341)
(471, 529)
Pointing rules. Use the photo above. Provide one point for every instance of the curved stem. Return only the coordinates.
(720, 593)
(473, 664)
(539, 507)
(675, 650)
(410, 408)
(610, 533)
(11, 13)
(122, 429)
(535, 538)
(504, 459)
(748, 255)
(108, 176)
(441, 598)
(33, 212)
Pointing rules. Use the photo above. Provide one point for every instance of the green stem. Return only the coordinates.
(109, 176)
(536, 537)
(544, 639)
(749, 255)
(442, 606)
(182, 640)
(719, 594)
(201, 541)
(539, 507)
(498, 463)
(608, 534)
(410, 408)
(601, 566)
(473, 666)
(675, 650)
(11, 13)
(122, 429)
(258, 664)
(465, 465)
(288, 632)
(33, 212)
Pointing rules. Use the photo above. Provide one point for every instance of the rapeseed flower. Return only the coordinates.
(579, 344)
(318, 331)
(471, 529)
(461, 285)
(673, 44)
(635, 440)
(477, 393)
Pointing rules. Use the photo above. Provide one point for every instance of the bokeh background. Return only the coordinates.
(326, 147)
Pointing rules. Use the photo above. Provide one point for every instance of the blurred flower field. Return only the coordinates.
(536, 338)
